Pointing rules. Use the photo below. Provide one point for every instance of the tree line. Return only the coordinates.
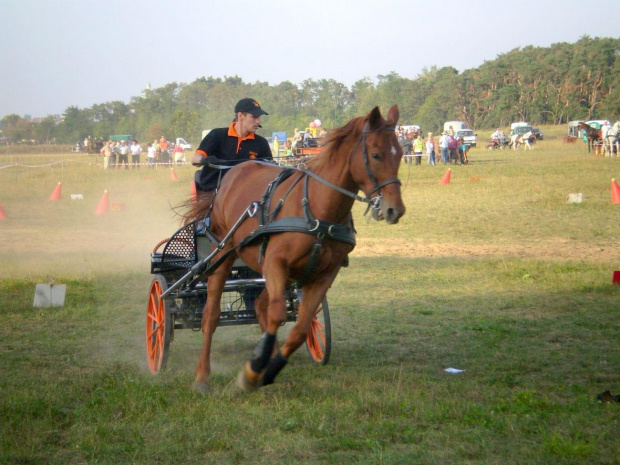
(543, 85)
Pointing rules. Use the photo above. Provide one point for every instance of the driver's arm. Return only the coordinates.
(198, 159)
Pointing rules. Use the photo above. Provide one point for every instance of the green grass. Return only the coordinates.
(501, 278)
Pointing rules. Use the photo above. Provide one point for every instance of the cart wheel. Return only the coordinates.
(319, 341)
(158, 326)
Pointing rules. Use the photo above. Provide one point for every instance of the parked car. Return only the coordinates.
(538, 133)
(520, 130)
(469, 136)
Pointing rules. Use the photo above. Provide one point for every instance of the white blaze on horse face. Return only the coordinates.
(394, 150)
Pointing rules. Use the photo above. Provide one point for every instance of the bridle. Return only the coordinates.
(362, 140)
(373, 202)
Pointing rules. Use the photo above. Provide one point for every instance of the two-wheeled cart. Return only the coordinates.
(171, 263)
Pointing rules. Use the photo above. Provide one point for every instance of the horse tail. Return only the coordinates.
(196, 208)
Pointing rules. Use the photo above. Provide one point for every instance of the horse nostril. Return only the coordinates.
(390, 213)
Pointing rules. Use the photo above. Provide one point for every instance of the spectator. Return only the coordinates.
(418, 148)
(463, 149)
(151, 152)
(107, 153)
(113, 154)
(407, 145)
(135, 150)
(453, 145)
(276, 147)
(179, 154)
(123, 155)
(164, 147)
(297, 141)
(157, 150)
(443, 147)
(430, 149)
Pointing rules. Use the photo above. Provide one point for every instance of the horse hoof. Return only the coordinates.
(244, 381)
(201, 388)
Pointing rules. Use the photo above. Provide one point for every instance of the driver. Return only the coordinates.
(237, 142)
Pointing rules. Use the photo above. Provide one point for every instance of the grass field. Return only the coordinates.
(496, 275)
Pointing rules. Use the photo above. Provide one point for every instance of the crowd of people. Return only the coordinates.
(450, 148)
(116, 154)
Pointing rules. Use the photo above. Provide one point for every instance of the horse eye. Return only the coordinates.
(376, 156)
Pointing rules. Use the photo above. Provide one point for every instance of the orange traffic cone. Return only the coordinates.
(56, 194)
(2, 214)
(173, 175)
(194, 194)
(446, 178)
(104, 204)
(615, 192)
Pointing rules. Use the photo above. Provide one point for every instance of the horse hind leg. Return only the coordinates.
(210, 319)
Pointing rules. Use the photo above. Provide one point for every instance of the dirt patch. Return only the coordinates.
(559, 249)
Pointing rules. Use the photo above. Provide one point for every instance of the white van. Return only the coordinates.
(183, 143)
(519, 124)
(454, 125)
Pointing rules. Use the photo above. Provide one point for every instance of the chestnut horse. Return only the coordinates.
(593, 135)
(364, 154)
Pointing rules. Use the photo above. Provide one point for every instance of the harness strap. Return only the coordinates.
(335, 231)
(313, 260)
(265, 205)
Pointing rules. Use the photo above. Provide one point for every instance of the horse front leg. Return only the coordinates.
(209, 323)
(275, 272)
(312, 297)
(260, 307)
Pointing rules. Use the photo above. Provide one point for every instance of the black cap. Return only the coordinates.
(249, 105)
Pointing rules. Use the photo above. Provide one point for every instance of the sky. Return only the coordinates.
(61, 53)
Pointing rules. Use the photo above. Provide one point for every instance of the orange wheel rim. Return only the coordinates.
(316, 339)
(155, 327)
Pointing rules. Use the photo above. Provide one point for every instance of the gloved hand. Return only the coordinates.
(208, 161)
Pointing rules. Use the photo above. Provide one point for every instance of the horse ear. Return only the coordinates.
(393, 115)
(374, 119)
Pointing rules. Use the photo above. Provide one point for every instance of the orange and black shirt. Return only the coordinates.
(225, 144)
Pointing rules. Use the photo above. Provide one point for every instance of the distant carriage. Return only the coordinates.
(592, 135)
(94, 146)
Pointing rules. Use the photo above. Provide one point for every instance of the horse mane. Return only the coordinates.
(334, 141)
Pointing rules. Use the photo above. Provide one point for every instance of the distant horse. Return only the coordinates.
(610, 139)
(592, 135)
(94, 146)
(304, 236)
(527, 140)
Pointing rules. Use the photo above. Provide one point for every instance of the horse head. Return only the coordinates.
(377, 173)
